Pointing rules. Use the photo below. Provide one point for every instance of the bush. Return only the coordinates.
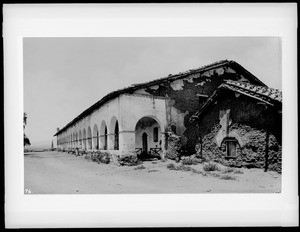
(211, 167)
(228, 170)
(178, 168)
(184, 168)
(171, 167)
(139, 167)
(238, 171)
(128, 160)
(99, 157)
(227, 177)
(190, 161)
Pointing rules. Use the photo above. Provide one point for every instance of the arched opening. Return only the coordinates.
(103, 136)
(89, 138)
(148, 137)
(144, 142)
(116, 145)
(114, 134)
(96, 137)
(84, 139)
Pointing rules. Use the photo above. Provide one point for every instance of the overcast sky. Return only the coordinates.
(65, 76)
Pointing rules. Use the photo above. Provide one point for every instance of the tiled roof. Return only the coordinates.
(254, 90)
(169, 78)
(261, 93)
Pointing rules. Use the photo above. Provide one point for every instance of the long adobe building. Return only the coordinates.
(139, 117)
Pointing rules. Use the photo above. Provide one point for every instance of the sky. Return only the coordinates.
(65, 76)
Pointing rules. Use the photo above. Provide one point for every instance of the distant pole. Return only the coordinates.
(267, 151)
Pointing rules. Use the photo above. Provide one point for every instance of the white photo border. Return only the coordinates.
(147, 20)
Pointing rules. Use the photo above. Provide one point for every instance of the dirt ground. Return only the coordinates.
(63, 173)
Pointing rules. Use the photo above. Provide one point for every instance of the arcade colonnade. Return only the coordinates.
(126, 123)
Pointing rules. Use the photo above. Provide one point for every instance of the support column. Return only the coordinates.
(102, 142)
(164, 143)
(110, 141)
(127, 140)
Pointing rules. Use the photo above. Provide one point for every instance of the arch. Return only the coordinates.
(148, 134)
(114, 134)
(89, 138)
(84, 139)
(103, 136)
(96, 137)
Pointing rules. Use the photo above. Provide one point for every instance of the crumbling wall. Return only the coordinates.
(248, 122)
(174, 146)
(185, 102)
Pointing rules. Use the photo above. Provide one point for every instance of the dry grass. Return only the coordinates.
(210, 167)
(238, 171)
(140, 167)
(228, 170)
(227, 177)
(190, 161)
(184, 168)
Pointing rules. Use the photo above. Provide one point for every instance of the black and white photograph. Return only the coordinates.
(209, 129)
(134, 114)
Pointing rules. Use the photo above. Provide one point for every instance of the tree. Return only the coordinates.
(26, 139)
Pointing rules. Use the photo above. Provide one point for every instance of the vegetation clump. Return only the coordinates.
(190, 161)
(139, 167)
(184, 168)
(238, 171)
(128, 160)
(228, 170)
(227, 177)
(210, 167)
(99, 157)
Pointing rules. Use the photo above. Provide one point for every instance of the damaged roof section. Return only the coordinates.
(264, 94)
(170, 78)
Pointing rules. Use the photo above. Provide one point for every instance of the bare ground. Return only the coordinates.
(63, 173)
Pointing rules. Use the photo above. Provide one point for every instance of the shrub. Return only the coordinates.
(227, 177)
(215, 174)
(139, 167)
(171, 167)
(238, 171)
(128, 160)
(198, 172)
(190, 161)
(99, 157)
(210, 167)
(228, 170)
(178, 168)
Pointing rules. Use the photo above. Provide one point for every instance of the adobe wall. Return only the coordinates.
(183, 101)
(248, 123)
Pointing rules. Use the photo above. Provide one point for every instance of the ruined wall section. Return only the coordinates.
(184, 102)
(248, 123)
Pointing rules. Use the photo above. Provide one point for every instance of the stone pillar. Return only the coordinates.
(102, 142)
(163, 141)
(110, 141)
(127, 140)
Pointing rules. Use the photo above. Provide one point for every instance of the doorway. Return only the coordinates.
(231, 149)
(145, 142)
